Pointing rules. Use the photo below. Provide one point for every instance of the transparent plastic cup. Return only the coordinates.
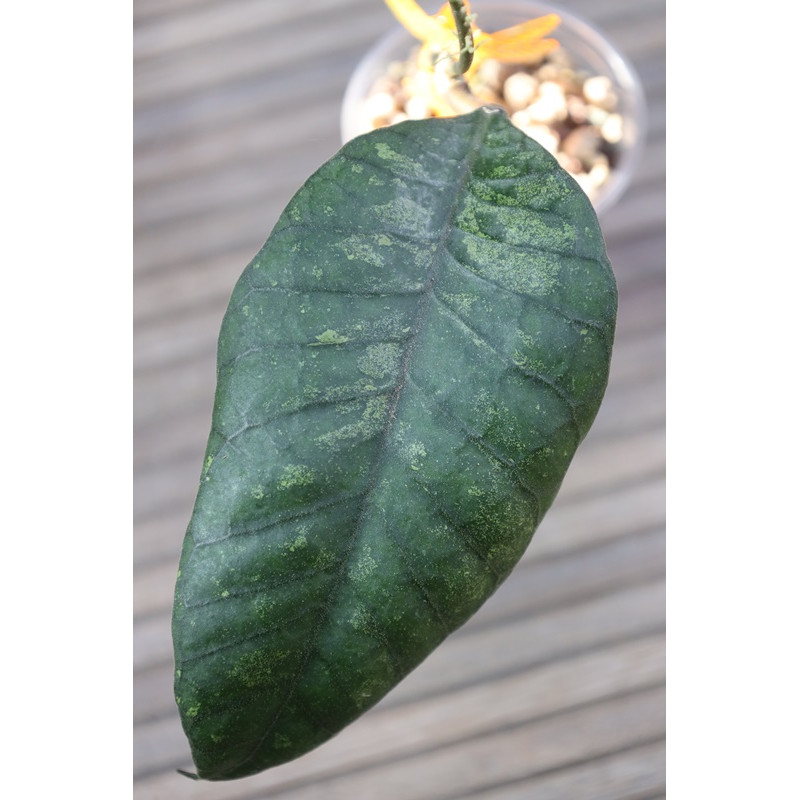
(587, 47)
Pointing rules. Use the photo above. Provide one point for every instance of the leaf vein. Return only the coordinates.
(535, 299)
(466, 536)
(470, 156)
(480, 441)
(382, 168)
(418, 585)
(310, 290)
(284, 517)
(243, 639)
(512, 365)
(257, 588)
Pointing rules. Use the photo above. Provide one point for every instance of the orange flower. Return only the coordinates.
(519, 44)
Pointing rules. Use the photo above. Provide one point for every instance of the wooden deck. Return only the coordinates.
(555, 689)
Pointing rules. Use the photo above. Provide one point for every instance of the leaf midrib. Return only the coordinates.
(481, 125)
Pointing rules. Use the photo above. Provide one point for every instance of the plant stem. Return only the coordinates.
(465, 40)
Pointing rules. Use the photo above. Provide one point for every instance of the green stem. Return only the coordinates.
(465, 40)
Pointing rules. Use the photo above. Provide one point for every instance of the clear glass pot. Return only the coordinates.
(587, 47)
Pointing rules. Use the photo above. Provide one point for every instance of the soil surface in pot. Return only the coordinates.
(570, 112)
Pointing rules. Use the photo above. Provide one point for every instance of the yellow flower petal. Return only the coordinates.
(522, 43)
(532, 29)
(421, 25)
(519, 52)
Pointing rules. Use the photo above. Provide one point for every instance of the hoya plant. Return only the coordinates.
(405, 371)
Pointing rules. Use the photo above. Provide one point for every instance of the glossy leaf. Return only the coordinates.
(404, 373)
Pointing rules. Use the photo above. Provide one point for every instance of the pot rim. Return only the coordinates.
(597, 54)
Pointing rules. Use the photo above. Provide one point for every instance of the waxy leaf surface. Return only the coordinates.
(404, 373)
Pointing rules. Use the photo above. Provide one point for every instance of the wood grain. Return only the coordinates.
(555, 688)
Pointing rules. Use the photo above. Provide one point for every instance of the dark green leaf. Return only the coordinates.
(405, 371)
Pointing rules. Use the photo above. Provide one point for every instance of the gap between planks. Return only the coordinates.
(459, 715)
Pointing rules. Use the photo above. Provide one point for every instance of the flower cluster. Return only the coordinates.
(445, 93)
(519, 44)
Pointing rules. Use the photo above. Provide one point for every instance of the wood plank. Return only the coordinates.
(187, 23)
(643, 405)
(154, 587)
(552, 689)
(165, 295)
(237, 183)
(622, 509)
(214, 168)
(539, 585)
(623, 459)
(153, 642)
(601, 516)
(538, 746)
(171, 482)
(233, 106)
(631, 404)
(637, 773)
(584, 532)
(414, 730)
(162, 486)
(256, 145)
(206, 284)
(270, 130)
(163, 437)
(167, 393)
(201, 24)
(246, 226)
(168, 471)
(264, 49)
(641, 359)
(273, 41)
(205, 152)
(159, 538)
(468, 656)
(191, 338)
(556, 538)
(164, 367)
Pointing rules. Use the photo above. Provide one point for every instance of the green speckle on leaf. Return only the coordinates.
(298, 543)
(368, 498)
(372, 418)
(380, 360)
(363, 249)
(329, 337)
(295, 475)
(364, 566)
(404, 163)
(359, 619)
(256, 668)
(414, 453)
